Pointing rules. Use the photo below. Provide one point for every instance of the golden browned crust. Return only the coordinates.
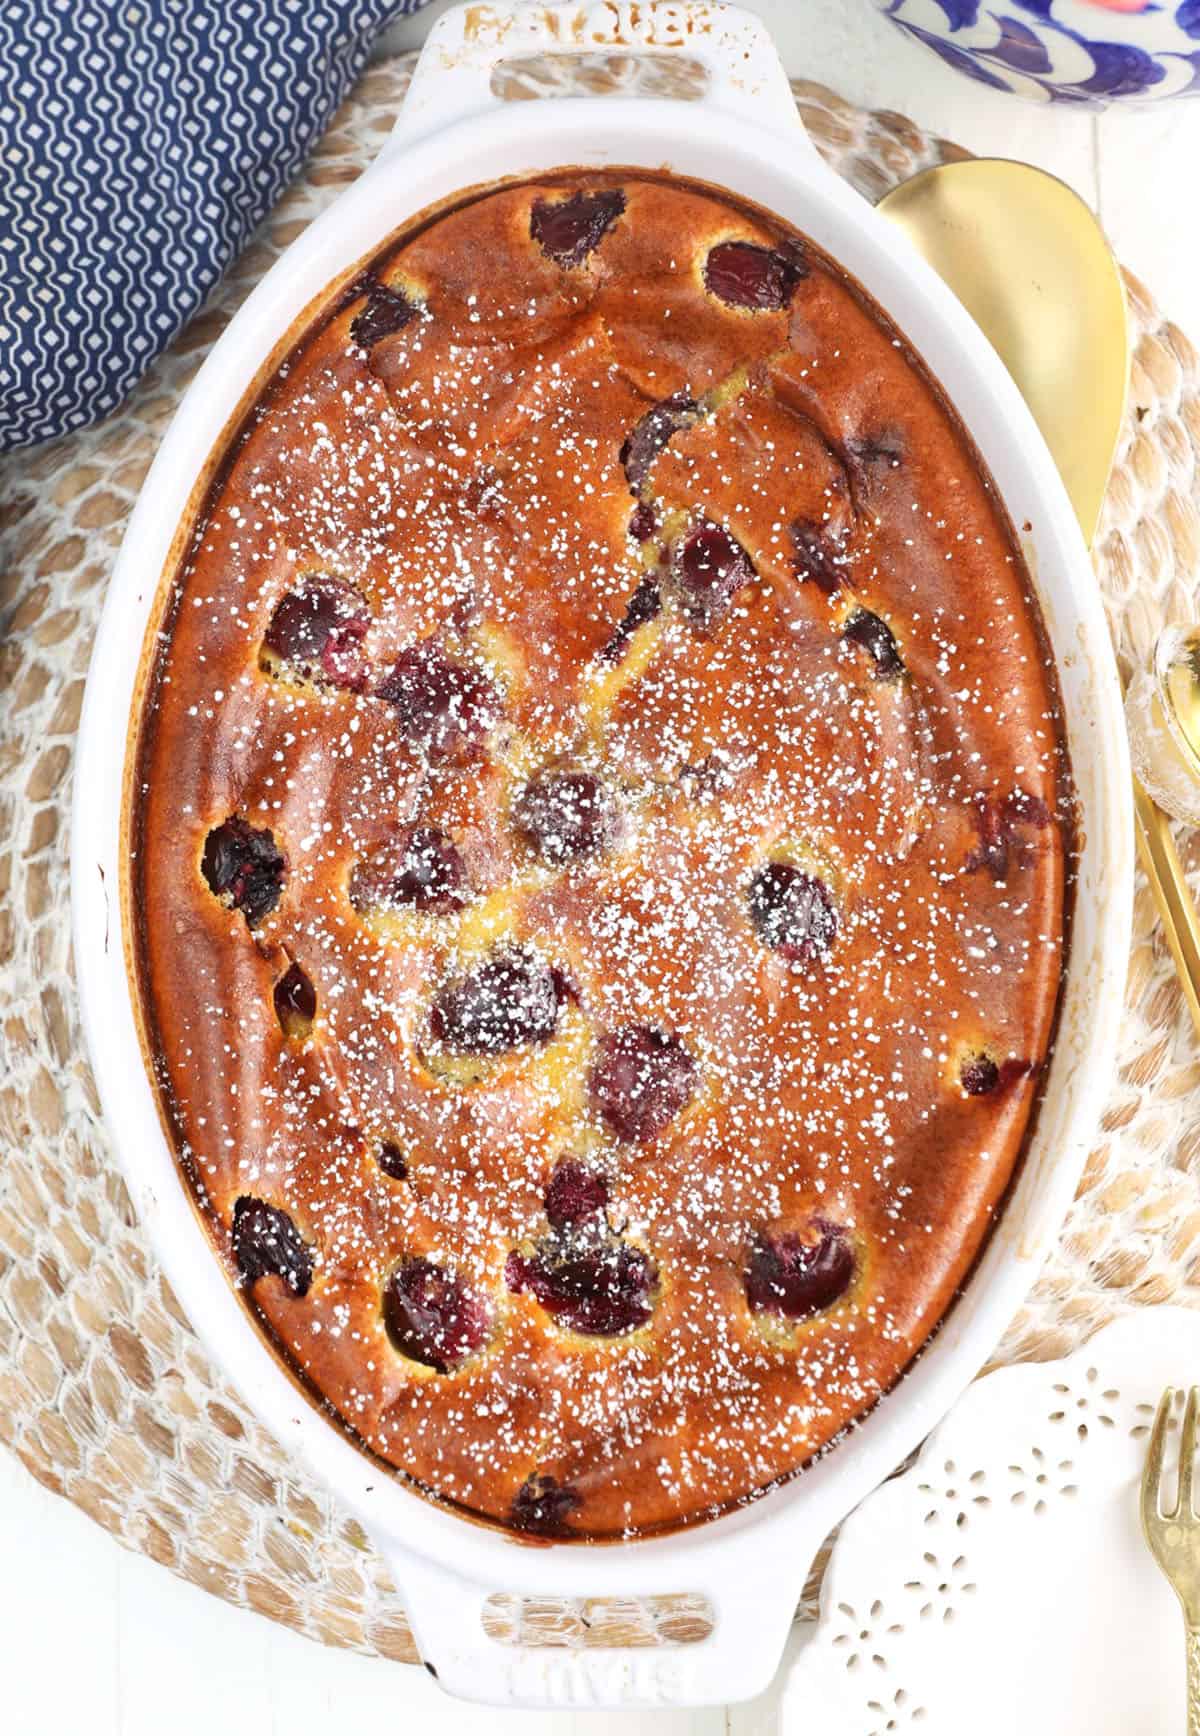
(465, 476)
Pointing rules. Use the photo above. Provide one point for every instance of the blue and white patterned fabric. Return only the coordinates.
(140, 143)
(1082, 51)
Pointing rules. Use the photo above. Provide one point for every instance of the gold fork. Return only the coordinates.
(1174, 1537)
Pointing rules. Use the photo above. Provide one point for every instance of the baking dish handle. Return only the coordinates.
(453, 77)
(752, 1614)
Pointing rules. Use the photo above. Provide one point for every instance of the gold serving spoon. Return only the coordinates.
(1026, 256)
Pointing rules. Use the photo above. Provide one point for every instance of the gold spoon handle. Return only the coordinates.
(1164, 871)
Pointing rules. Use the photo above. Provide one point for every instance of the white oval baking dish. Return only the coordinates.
(744, 136)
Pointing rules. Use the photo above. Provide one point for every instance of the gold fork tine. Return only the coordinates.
(1174, 1536)
(1187, 1456)
(1152, 1471)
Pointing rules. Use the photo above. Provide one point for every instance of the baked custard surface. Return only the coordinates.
(600, 856)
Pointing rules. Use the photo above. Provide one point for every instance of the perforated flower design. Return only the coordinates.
(1034, 1483)
(1086, 1406)
(954, 1500)
(863, 1639)
(945, 1580)
(896, 1713)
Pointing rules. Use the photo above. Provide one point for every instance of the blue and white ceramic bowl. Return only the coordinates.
(1082, 51)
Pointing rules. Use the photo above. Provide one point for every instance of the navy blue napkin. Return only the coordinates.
(141, 141)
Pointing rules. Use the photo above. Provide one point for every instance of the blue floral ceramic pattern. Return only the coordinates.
(1082, 51)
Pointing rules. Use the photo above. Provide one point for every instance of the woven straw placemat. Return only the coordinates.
(105, 1394)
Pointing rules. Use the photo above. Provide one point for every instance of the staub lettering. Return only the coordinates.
(609, 24)
(596, 1678)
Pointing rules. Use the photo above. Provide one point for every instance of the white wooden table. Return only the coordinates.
(97, 1642)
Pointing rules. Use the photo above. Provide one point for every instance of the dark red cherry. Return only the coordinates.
(875, 637)
(511, 999)
(295, 1002)
(1004, 824)
(564, 815)
(709, 567)
(567, 230)
(643, 523)
(819, 556)
(304, 618)
(431, 1316)
(641, 1079)
(542, 1506)
(600, 1288)
(392, 1160)
(979, 1075)
(745, 275)
(388, 310)
(420, 867)
(793, 912)
(267, 1243)
(444, 707)
(318, 630)
(794, 1275)
(649, 435)
(244, 867)
(643, 606)
(574, 1193)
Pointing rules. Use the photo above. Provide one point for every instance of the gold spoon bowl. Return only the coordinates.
(1026, 257)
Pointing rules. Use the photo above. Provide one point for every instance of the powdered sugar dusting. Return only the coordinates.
(630, 668)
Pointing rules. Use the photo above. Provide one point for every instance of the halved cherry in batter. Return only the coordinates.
(1006, 824)
(267, 1243)
(244, 867)
(392, 1160)
(444, 707)
(387, 310)
(742, 274)
(420, 867)
(641, 1079)
(795, 1275)
(643, 522)
(793, 912)
(511, 999)
(567, 230)
(542, 1506)
(432, 1317)
(601, 1287)
(317, 630)
(709, 566)
(565, 814)
(574, 1194)
(870, 633)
